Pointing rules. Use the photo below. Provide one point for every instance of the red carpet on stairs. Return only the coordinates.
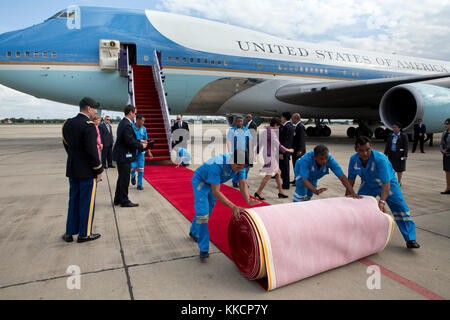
(174, 184)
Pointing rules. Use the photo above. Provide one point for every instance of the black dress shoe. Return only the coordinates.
(412, 244)
(204, 255)
(257, 196)
(140, 188)
(193, 237)
(283, 196)
(92, 237)
(116, 203)
(446, 192)
(67, 238)
(129, 205)
(236, 185)
(133, 181)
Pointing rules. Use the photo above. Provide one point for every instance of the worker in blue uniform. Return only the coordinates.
(239, 137)
(182, 156)
(206, 185)
(313, 166)
(141, 134)
(378, 179)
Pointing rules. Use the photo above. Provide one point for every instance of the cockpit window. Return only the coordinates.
(64, 15)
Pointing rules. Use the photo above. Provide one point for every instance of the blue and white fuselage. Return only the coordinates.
(211, 68)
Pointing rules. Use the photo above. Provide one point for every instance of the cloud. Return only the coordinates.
(416, 27)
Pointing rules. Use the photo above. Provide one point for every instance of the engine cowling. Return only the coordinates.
(408, 102)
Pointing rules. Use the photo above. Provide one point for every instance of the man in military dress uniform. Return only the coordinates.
(84, 170)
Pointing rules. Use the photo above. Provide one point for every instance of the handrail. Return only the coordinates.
(130, 78)
(162, 98)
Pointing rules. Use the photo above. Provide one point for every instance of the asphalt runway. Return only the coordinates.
(146, 253)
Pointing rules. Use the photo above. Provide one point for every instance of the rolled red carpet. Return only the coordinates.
(284, 243)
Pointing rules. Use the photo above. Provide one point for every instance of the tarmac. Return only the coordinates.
(146, 253)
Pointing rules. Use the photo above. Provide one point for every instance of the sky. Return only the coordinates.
(418, 28)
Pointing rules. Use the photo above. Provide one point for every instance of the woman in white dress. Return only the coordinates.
(271, 145)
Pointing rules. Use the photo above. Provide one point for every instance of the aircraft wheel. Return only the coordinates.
(351, 132)
(326, 131)
(310, 131)
(379, 133)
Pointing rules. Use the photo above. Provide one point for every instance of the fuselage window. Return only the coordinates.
(321, 70)
(27, 54)
(285, 68)
(357, 74)
(191, 60)
(184, 60)
(205, 61)
(199, 61)
(259, 65)
(53, 54)
(8, 53)
(296, 69)
(17, 53)
(353, 74)
(45, 54)
(212, 61)
(169, 59)
(291, 68)
(36, 54)
(219, 62)
(225, 63)
(306, 69)
(177, 59)
(279, 67)
(301, 69)
(326, 71)
(317, 70)
(345, 73)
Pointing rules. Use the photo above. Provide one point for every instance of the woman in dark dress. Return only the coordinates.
(445, 149)
(397, 150)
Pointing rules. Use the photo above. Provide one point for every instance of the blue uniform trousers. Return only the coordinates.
(204, 205)
(398, 206)
(80, 215)
(139, 163)
(236, 180)
(301, 192)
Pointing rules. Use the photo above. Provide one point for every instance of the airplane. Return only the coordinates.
(217, 69)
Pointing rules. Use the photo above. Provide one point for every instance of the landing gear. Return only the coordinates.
(353, 132)
(320, 130)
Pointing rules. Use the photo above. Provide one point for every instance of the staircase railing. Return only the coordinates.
(162, 98)
(130, 78)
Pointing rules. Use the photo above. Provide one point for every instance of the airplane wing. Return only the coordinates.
(350, 94)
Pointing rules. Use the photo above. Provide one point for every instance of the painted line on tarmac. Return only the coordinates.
(408, 283)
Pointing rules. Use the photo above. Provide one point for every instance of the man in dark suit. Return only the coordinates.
(299, 140)
(182, 132)
(124, 153)
(286, 139)
(107, 137)
(84, 171)
(419, 135)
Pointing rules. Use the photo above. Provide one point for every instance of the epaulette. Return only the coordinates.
(90, 122)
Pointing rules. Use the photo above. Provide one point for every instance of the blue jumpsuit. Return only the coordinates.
(379, 171)
(215, 171)
(141, 134)
(306, 168)
(185, 154)
(238, 139)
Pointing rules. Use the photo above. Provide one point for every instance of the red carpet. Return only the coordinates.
(174, 184)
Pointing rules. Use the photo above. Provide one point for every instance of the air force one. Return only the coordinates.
(202, 67)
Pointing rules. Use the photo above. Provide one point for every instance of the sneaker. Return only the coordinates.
(140, 188)
(204, 255)
(412, 244)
